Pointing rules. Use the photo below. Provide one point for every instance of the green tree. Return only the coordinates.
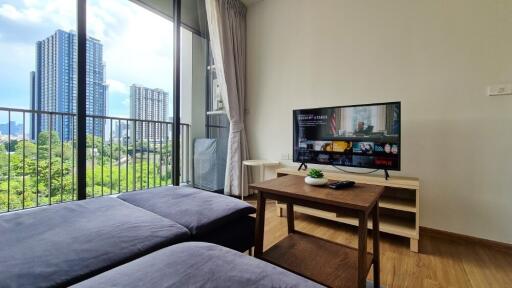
(30, 148)
(44, 138)
(10, 145)
(44, 147)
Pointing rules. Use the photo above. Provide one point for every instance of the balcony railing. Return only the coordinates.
(38, 157)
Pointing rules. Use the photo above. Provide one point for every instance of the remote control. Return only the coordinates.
(341, 184)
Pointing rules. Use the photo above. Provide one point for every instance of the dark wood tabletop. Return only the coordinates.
(358, 197)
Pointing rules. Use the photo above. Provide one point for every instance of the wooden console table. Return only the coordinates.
(320, 260)
(400, 203)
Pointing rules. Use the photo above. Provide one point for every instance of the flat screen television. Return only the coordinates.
(363, 136)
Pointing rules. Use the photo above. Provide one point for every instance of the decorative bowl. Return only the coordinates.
(315, 181)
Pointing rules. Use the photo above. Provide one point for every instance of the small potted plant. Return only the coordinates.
(315, 177)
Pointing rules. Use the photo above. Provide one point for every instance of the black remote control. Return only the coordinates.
(341, 184)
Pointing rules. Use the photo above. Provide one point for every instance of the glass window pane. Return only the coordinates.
(130, 69)
(202, 112)
(37, 72)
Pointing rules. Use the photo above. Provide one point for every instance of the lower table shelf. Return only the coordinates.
(388, 224)
(328, 263)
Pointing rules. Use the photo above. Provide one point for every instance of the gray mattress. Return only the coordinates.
(62, 244)
(195, 264)
(211, 210)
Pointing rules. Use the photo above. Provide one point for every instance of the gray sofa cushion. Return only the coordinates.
(197, 210)
(195, 264)
(62, 244)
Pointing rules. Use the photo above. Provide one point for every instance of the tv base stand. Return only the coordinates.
(399, 205)
(386, 174)
(303, 166)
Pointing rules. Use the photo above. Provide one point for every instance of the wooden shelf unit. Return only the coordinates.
(304, 254)
(400, 203)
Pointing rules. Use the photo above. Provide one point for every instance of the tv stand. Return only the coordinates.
(399, 205)
(303, 166)
(386, 174)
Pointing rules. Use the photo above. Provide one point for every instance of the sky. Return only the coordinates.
(137, 46)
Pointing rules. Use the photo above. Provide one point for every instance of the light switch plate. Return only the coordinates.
(499, 90)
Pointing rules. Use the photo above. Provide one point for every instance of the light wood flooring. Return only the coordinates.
(442, 262)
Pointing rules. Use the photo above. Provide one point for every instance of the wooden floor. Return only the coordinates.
(441, 262)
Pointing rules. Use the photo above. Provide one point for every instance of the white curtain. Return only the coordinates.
(227, 27)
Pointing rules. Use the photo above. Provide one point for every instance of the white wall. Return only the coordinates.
(435, 56)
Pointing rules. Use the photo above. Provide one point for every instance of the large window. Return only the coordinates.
(37, 72)
(128, 91)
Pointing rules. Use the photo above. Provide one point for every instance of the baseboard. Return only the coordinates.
(465, 238)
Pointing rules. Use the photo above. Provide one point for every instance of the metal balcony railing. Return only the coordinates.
(38, 156)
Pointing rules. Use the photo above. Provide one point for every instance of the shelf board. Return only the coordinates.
(328, 263)
(408, 205)
(394, 181)
(388, 223)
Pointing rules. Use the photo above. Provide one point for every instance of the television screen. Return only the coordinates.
(364, 136)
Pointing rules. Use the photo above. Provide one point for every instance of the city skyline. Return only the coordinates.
(137, 47)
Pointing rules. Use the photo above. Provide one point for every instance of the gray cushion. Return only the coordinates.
(62, 244)
(195, 264)
(197, 210)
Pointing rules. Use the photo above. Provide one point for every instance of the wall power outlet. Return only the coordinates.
(499, 90)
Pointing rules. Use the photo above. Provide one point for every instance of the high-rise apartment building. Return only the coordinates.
(148, 104)
(54, 84)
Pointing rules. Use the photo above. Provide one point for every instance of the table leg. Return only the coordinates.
(361, 263)
(376, 248)
(243, 182)
(260, 224)
(290, 217)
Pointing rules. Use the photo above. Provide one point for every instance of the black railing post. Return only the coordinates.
(111, 156)
(176, 95)
(127, 172)
(92, 154)
(50, 125)
(81, 161)
(23, 172)
(134, 155)
(119, 155)
(9, 162)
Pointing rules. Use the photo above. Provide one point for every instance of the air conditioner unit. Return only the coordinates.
(209, 165)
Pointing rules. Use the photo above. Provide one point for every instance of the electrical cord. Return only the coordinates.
(353, 172)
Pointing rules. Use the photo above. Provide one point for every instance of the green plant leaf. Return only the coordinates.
(315, 173)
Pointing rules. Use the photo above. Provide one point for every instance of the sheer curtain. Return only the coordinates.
(227, 27)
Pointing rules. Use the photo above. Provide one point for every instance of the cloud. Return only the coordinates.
(29, 21)
(10, 12)
(117, 86)
(59, 12)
